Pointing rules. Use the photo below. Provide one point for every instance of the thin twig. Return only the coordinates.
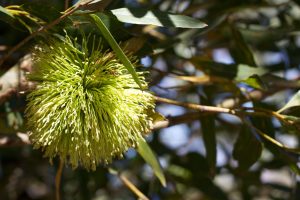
(266, 112)
(198, 107)
(128, 184)
(270, 139)
(132, 187)
(58, 179)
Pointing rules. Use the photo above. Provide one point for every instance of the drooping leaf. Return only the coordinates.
(146, 152)
(247, 148)
(155, 17)
(243, 51)
(255, 81)
(209, 139)
(117, 49)
(6, 16)
(293, 102)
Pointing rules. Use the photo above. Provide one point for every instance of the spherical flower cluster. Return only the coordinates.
(87, 109)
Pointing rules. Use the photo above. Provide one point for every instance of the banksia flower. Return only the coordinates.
(87, 108)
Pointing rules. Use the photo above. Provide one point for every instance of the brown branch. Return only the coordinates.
(272, 140)
(128, 184)
(132, 187)
(58, 179)
(198, 107)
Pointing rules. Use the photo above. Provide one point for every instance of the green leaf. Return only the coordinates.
(243, 52)
(145, 151)
(209, 139)
(247, 149)
(6, 16)
(155, 17)
(293, 102)
(246, 71)
(156, 116)
(117, 49)
(255, 82)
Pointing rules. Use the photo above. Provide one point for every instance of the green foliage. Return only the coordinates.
(230, 69)
(155, 17)
(148, 155)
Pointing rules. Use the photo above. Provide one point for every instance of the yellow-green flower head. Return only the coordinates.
(87, 108)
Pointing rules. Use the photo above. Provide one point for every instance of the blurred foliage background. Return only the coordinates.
(246, 60)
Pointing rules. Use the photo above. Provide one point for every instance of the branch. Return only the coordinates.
(171, 121)
(128, 184)
(239, 113)
(198, 107)
(270, 139)
(58, 178)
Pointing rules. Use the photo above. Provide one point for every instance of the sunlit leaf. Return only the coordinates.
(158, 18)
(145, 151)
(6, 16)
(255, 82)
(246, 71)
(117, 49)
(293, 102)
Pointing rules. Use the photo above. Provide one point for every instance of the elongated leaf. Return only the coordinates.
(158, 18)
(243, 52)
(255, 81)
(6, 16)
(117, 49)
(145, 151)
(247, 149)
(209, 139)
(246, 71)
(293, 102)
